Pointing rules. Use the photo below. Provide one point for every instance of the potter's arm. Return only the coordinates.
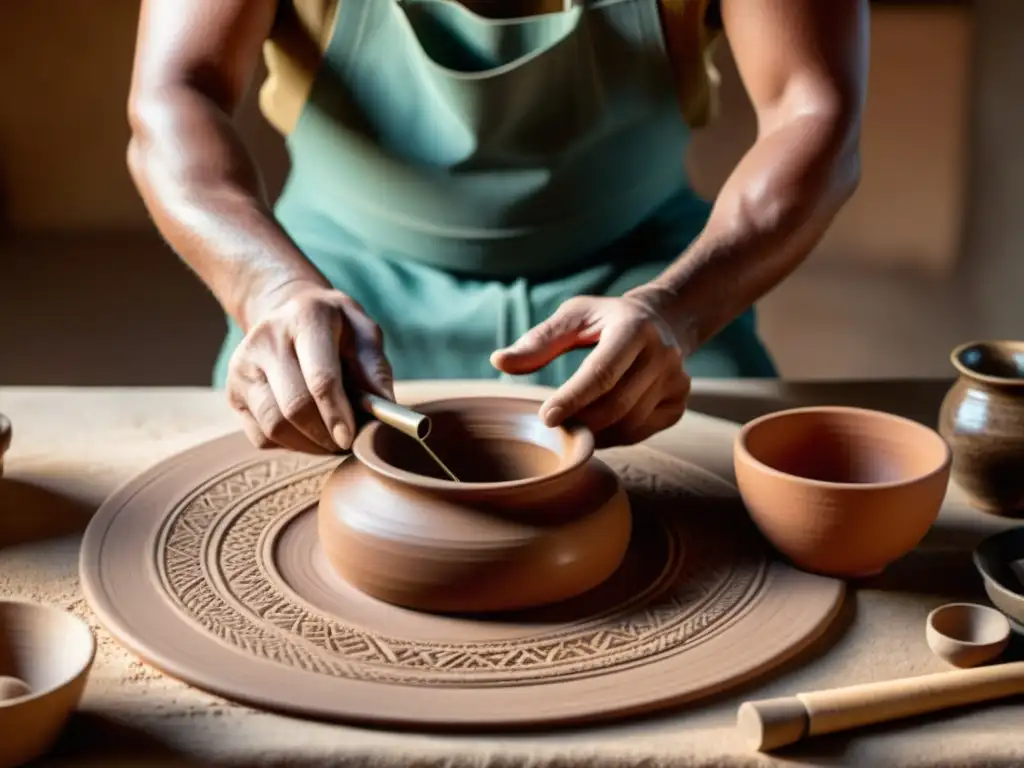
(193, 63)
(804, 65)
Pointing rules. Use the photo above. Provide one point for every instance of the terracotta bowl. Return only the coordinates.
(51, 652)
(966, 634)
(1000, 561)
(982, 418)
(841, 491)
(535, 518)
(5, 439)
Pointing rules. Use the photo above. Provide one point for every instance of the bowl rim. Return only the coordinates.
(975, 608)
(80, 670)
(963, 370)
(582, 436)
(740, 449)
(978, 557)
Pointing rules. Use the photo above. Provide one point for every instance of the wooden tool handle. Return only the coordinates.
(772, 723)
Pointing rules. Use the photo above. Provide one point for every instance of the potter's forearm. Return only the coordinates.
(775, 207)
(204, 194)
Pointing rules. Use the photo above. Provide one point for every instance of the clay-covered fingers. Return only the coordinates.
(636, 394)
(654, 389)
(598, 375)
(635, 429)
(325, 403)
(291, 376)
(263, 422)
(279, 425)
(268, 388)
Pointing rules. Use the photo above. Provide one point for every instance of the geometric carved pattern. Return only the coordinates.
(214, 556)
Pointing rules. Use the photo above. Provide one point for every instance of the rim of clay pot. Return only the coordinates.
(976, 609)
(67, 618)
(926, 433)
(583, 450)
(956, 358)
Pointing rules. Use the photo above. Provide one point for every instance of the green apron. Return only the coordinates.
(461, 177)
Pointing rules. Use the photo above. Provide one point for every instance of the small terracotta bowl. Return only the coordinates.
(52, 652)
(535, 518)
(841, 491)
(1000, 561)
(967, 634)
(5, 440)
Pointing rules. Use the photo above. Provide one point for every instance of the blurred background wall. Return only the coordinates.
(929, 253)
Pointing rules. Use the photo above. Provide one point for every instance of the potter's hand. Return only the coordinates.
(285, 378)
(632, 384)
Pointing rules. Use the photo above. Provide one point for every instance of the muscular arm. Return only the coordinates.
(194, 60)
(804, 65)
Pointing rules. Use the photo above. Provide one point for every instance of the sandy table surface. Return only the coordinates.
(73, 447)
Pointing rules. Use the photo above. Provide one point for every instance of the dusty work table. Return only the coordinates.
(72, 447)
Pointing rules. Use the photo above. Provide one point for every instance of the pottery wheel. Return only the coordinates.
(208, 567)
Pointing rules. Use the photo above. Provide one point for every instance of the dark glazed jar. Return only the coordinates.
(982, 418)
(5, 440)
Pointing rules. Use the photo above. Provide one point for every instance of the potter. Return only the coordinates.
(487, 189)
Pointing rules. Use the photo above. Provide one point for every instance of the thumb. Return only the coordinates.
(566, 329)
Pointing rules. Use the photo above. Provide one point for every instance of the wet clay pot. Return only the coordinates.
(841, 491)
(534, 519)
(982, 418)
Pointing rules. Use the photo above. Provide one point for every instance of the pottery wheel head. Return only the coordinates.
(241, 602)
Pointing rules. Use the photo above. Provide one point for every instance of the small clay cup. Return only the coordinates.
(535, 518)
(5, 440)
(52, 651)
(1000, 561)
(967, 634)
(982, 419)
(841, 491)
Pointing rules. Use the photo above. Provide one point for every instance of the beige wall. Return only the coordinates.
(909, 210)
(63, 131)
(63, 125)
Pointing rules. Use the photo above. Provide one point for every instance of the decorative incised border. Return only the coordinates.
(213, 568)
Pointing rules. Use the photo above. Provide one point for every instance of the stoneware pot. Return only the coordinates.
(982, 418)
(5, 440)
(841, 491)
(1000, 561)
(45, 658)
(534, 519)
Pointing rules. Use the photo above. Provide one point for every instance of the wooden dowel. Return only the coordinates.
(772, 723)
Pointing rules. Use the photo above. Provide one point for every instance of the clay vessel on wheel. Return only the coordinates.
(534, 518)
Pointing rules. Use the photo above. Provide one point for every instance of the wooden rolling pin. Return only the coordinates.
(772, 723)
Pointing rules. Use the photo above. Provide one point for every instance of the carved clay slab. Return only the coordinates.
(208, 567)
